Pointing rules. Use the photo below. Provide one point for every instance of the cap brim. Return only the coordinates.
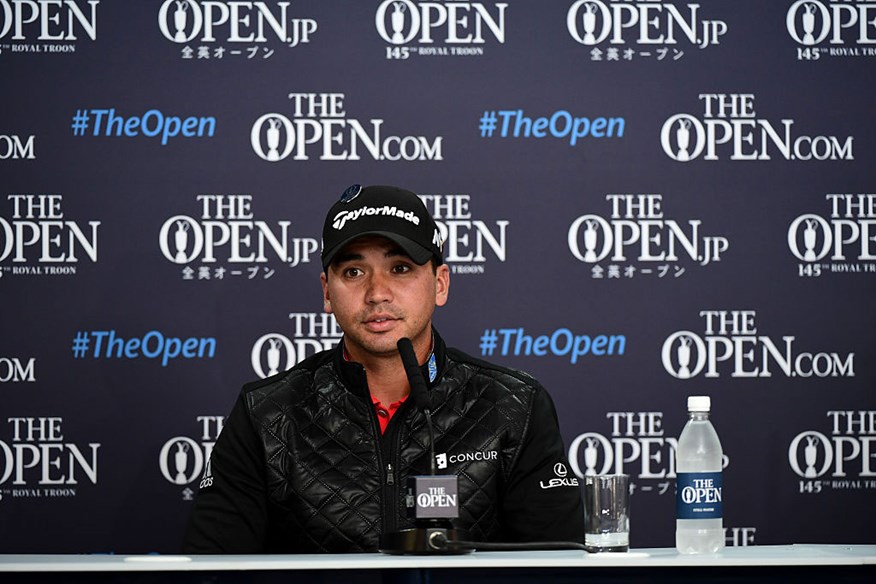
(419, 254)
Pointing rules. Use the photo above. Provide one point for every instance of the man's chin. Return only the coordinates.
(388, 345)
(381, 344)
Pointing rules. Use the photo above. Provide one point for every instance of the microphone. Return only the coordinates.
(432, 500)
(419, 392)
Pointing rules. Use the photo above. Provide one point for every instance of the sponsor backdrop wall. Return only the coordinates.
(641, 201)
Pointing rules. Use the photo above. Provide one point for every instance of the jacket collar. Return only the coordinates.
(353, 374)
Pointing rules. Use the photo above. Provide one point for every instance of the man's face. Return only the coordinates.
(379, 295)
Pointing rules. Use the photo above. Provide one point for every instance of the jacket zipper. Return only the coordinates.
(389, 447)
(385, 458)
(386, 453)
(390, 492)
(390, 480)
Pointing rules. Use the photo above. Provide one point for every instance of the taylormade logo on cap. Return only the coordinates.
(386, 211)
(341, 218)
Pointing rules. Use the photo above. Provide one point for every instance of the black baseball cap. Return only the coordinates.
(391, 212)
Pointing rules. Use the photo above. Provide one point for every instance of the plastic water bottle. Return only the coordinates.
(699, 511)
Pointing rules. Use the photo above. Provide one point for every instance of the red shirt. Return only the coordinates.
(384, 414)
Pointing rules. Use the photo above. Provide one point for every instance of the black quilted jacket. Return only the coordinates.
(301, 465)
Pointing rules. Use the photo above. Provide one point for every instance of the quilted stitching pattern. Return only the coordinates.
(323, 469)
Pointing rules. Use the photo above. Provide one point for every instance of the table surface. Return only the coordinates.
(769, 555)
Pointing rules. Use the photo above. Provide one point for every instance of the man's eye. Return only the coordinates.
(352, 272)
(401, 268)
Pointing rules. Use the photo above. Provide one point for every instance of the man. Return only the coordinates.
(316, 459)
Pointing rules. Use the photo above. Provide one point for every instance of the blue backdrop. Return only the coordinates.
(642, 201)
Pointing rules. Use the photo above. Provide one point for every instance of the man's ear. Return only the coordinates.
(326, 300)
(442, 284)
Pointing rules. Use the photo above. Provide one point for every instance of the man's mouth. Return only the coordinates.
(379, 322)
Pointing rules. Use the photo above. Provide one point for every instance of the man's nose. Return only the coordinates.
(379, 288)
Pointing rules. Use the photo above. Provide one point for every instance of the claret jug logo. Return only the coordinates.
(439, 28)
(840, 456)
(841, 241)
(635, 443)
(644, 29)
(38, 240)
(312, 332)
(228, 232)
(320, 126)
(183, 459)
(38, 462)
(42, 26)
(252, 30)
(637, 239)
(732, 344)
(729, 127)
(838, 28)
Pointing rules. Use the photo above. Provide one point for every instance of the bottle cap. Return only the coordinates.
(699, 403)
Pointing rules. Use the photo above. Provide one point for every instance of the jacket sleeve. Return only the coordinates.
(230, 512)
(543, 498)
